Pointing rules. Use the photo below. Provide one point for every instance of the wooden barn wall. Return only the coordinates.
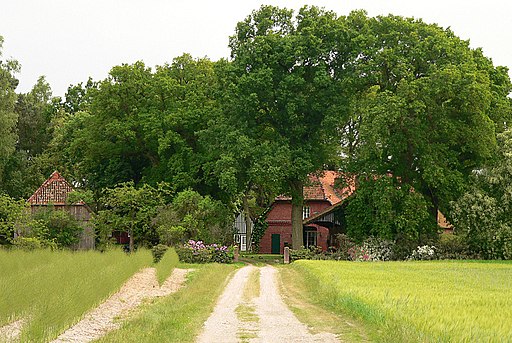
(82, 214)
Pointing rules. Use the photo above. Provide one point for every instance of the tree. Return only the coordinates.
(379, 208)
(8, 116)
(288, 97)
(483, 215)
(427, 107)
(192, 216)
(141, 126)
(24, 170)
(131, 209)
(11, 211)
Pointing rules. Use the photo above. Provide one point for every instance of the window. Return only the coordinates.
(310, 240)
(305, 212)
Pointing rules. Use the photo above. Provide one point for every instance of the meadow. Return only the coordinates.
(439, 301)
(51, 290)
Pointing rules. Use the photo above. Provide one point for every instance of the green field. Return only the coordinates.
(419, 301)
(51, 290)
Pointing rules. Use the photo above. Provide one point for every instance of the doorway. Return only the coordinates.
(276, 243)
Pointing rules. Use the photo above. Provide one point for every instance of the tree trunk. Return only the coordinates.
(132, 244)
(131, 241)
(248, 222)
(297, 188)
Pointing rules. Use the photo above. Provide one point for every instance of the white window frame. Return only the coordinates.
(306, 212)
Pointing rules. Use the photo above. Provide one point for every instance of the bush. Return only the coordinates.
(379, 249)
(452, 246)
(424, 252)
(345, 246)
(158, 252)
(27, 243)
(301, 254)
(198, 252)
(33, 243)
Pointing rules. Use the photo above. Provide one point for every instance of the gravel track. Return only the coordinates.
(223, 324)
(140, 286)
(276, 322)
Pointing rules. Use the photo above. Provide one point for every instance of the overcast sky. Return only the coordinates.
(70, 40)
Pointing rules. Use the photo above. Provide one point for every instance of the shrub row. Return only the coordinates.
(375, 249)
(198, 252)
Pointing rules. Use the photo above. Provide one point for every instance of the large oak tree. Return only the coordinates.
(288, 96)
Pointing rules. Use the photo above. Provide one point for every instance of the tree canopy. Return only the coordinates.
(407, 107)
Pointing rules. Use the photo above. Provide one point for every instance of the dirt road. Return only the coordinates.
(274, 321)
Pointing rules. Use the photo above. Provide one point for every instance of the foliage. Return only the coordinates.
(425, 252)
(384, 208)
(372, 249)
(57, 226)
(8, 116)
(25, 169)
(198, 252)
(258, 230)
(192, 216)
(284, 97)
(158, 251)
(52, 290)
(450, 246)
(303, 253)
(419, 301)
(11, 211)
(345, 246)
(427, 109)
(131, 209)
(141, 125)
(483, 215)
(27, 243)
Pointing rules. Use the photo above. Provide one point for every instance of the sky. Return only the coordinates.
(69, 41)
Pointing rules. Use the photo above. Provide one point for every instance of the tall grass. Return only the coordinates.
(420, 301)
(166, 265)
(52, 290)
(178, 317)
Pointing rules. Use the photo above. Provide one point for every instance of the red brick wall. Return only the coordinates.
(279, 222)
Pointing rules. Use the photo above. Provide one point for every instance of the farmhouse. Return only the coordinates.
(322, 214)
(54, 192)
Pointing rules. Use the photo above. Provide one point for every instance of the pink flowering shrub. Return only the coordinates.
(198, 252)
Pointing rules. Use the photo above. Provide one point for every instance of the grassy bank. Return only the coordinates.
(419, 301)
(301, 296)
(178, 317)
(52, 290)
(166, 265)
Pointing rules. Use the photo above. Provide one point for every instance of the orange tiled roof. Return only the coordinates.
(54, 190)
(324, 187)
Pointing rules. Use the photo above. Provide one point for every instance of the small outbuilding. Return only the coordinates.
(54, 192)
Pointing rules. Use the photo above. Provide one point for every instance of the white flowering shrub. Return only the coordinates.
(372, 249)
(424, 252)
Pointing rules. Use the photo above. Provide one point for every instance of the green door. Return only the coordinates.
(276, 243)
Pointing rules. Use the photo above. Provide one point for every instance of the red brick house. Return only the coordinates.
(322, 196)
(54, 191)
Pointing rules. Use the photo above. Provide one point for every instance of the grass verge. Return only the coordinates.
(246, 311)
(166, 265)
(301, 295)
(261, 260)
(51, 290)
(178, 317)
(440, 301)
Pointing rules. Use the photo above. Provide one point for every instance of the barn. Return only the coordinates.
(54, 192)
